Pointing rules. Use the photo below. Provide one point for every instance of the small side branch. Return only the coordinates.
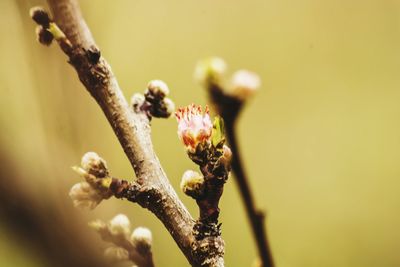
(229, 102)
(126, 245)
(255, 215)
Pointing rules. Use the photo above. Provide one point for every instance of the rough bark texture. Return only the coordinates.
(152, 189)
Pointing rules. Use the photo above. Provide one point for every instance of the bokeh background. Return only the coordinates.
(321, 139)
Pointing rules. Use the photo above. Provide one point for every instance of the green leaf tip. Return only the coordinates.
(218, 132)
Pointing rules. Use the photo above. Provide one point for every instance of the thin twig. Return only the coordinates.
(229, 108)
(255, 215)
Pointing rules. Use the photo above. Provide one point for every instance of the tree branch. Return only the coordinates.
(229, 104)
(133, 132)
(255, 215)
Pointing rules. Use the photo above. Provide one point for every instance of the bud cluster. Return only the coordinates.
(127, 245)
(211, 72)
(94, 189)
(46, 29)
(42, 18)
(154, 101)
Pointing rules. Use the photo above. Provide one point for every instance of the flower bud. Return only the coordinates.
(192, 184)
(94, 164)
(210, 70)
(141, 238)
(120, 225)
(44, 36)
(194, 127)
(40, 16)
(116, 253)
(158, 88)
(84, 196)
(245, 83)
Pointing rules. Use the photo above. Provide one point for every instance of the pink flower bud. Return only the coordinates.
(194, 127)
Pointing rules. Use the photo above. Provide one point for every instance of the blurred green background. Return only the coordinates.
(321, 139)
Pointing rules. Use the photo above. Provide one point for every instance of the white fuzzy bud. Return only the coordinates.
(158, 88)
(210, 70)
(169, 106)
(245, 83)
(94, 164)
(142, 239)
(120, 225)
(84, 196)
(116, 254)
(192, 183)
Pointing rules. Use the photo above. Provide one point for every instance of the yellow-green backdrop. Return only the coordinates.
(321, 139)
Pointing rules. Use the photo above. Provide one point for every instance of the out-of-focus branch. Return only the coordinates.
(152, 188)
(255, 215)
(135, 246)
(228, 102)
(50, 229)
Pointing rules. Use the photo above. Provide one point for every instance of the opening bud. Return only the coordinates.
(194, 127)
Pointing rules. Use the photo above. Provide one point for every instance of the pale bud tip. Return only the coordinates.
(120, 225)
(192, 183)
(92, 163)
(245, 83)
(170, 106)
(142, 238)
(210, 70)
(158, 88)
